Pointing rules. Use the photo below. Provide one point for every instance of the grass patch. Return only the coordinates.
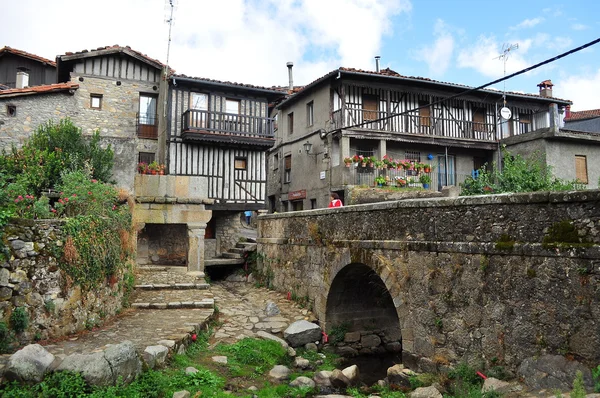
(252, 357)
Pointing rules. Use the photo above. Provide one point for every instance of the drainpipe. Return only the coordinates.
(446, 163)
(290, 65)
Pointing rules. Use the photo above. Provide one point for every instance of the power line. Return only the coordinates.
(572, 51)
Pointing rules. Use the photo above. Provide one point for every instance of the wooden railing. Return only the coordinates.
(414, 124)
(194, 120)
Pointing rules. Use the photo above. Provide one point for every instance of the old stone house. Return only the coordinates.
(377, 113)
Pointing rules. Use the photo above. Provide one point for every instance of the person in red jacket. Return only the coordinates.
(335, 200)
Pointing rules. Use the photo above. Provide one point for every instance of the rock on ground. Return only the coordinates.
(117, 362)
(279, 373)
(352, 373)
(499, 386)
(321, 378)
(29, 364)
(181, 394)
(268, 336)
(155, 355)
(302, 332)
(302, 381)
(301, 363)
(552, 372)
(425, 392)
(338, 379)
(220, 359)
(399, 375)
(272, 309)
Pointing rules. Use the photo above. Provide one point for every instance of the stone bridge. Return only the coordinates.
(489, 280)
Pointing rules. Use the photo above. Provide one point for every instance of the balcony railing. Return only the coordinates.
(226, 123)
(147, 127)
(415, 124)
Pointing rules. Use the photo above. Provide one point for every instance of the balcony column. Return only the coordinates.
(382, 148)
(196, 247)
(344, 148)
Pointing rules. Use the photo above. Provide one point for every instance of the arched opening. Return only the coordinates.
(359, 300)
(360, 304)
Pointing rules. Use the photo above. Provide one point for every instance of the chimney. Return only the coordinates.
(22, 79)
(568, 112)
(290, 65)
(546, 88)
(377, 58)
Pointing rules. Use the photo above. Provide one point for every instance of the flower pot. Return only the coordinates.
(153, 172)
(370, 164)
(347, 164)
(427, 170)
(425, 185)
(363, 165)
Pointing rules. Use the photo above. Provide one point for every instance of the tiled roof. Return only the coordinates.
(581, 115)
(274, 89)
(112, 49)
(25, 54)
(48, 88)
(387, 72)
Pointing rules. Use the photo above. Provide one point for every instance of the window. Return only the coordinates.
(96, 101)
(298, 205)
(291, 123)
(275, 161)
(479, 120)
(232, 106)
(287, 174)
(415, 157)
(146, 157)
(524, 123)
(199, 101)
(310, 114)
(313, 203)
(581, 169)
(240, 163)
(424, 114)
(148, 109)
(370, 106)
(276, 122)
(11, 110)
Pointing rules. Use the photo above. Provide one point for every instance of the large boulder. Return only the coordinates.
(117, 362)
(399, 375)
(352, 373)
(552, 372)
(279, 373)
(302, 332)
(499, 386)
(268, 336)
(302, 381)
(338, 379)
(321, 378)
(29, 364)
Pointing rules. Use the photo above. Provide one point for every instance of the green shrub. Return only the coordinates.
(338, 333)
(5, 338)
(518, 174)
(19, 319)
(63, 384)
(578, 386)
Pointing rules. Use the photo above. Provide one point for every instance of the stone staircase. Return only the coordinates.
(164, 287)
(233, 256)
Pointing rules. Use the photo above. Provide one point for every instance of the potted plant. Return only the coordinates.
(371, 160)
(348, 161)
(427, 168)
(142, 168)
(425, 180)
(153, 167)
(401, 181)
(378, 164)
(380, 181)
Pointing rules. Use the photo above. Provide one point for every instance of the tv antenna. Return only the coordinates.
(506, 49)
(170, 22)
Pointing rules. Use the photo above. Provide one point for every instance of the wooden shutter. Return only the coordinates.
(479, 120)
(425, 114)
(581, 169)
(288, 162)
(370, 106)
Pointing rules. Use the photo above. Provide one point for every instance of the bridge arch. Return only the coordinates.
(360, 300)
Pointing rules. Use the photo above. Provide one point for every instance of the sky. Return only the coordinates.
(250, 41)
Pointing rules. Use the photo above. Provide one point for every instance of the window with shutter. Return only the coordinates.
(479, 120)
(581, 169)
(424, 114)
(370, 106)
(287, 175)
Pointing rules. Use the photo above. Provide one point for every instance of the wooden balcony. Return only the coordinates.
(414, 124)
(200, 125)
(147, 127)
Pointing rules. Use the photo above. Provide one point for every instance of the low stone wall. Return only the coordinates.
(358, 195)
(31, 279)
(490, 280)
(369, 342)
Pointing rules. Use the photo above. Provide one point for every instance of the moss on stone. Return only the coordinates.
(505, 242)
(563, 234)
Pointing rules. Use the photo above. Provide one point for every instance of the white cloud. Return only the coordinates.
(438, 55)
(483, 56)
(247, 41)
(527, 23)
(579, 26)
(581, 89)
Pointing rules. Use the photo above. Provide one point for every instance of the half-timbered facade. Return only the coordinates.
(219, 133)
(354, 112)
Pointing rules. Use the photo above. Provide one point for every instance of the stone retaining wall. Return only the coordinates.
(31, 279)
(490, 280)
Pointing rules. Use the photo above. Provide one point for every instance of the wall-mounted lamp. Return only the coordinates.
(307, 146)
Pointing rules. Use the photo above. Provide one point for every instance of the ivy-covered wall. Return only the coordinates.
(38, 300)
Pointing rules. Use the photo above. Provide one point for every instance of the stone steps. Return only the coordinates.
(223, 261)
(204, 303)
(230, 255)
(173, 286)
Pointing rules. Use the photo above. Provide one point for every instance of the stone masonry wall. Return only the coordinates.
(227, 231)
(32, 111)
(31, 279)
(470, 277)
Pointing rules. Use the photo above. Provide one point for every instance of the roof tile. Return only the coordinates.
(7, 49)
(581, 115)
(48, 88)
